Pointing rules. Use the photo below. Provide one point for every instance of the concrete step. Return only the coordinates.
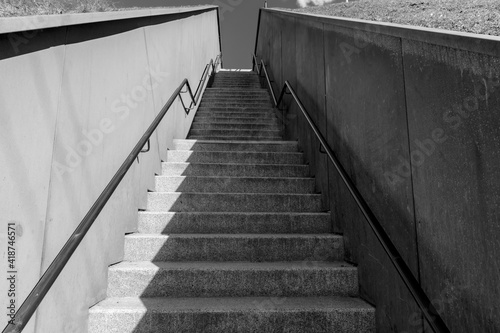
(234, 223)
(255, 81)
(235, 132)
(232, 279)
(237, 105)
(250, 80)
(232, 315)
(235, 126)
(238, 73)
(234, 157)
(244, 93)
(237, 91)
(232, 108)
(257, 146)
(234, 169)
(237, 77)
(233, 138)
(264, 118)
(236, 86)
(257, 114)
(234, 184)
(233, 202)
(233, 247)
(228, 84)
(237, 99)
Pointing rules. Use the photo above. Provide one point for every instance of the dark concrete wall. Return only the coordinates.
(413, 115)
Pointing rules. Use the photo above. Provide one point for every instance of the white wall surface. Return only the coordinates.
(72, 107)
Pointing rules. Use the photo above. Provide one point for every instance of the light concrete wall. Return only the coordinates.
(74, 100)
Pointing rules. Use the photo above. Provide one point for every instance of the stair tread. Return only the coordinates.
(237, 177)
(240, 142)
(232, 265)
(231, 304)
(238, 152)
(239, 213)
(232, 236)
(242, 164)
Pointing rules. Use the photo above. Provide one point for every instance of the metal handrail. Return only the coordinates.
(36, 296)
(204, 76)
(430, 313)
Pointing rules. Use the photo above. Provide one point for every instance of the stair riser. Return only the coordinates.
(219, 249)
(237, 81)
(252, 80)
(229, 107)
(235, 146)
(234, 157)
(237, 78)
(235, 132)
(296, 321)
(230, 99)
(236, 86)
(226, 117)
(263, 125)
(235, 138)
(216, 202)
(262, 91)
(234, 170)
(233, 283)
(226, 126)
(237, 105)
(234, 185)
(257, 114)
(233, 94)
(233, 223)
(218, 82)
(270, 120)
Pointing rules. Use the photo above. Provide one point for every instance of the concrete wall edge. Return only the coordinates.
(27, 23)
(478, 43)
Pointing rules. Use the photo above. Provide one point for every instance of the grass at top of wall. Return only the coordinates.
(11, 8)
(475, 16)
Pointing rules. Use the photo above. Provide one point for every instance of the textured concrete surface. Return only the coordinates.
(234, 157)
(227, 137)
(264, 133)
(267, 119)
(255, 114)
(233, 247)
(232, 169)
(236, 104)
(233, 223)
(213, 145)
(271, 126)
(77, 93)
(234, 184)
(237, 229)
(232, 314)
(413, 116)
(233, 202)
(232, 279)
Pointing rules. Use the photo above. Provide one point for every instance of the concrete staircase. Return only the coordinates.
(235, 238)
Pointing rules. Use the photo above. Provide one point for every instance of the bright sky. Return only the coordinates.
(238, 23)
